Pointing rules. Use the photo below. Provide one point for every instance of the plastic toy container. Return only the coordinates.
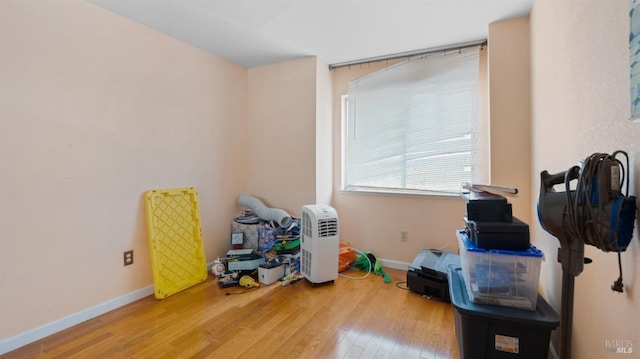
(268, 275)
(491, 332)
(500, 277)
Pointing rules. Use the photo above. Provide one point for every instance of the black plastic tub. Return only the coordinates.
(495, 332)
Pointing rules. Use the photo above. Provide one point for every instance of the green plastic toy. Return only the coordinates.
(364, 263)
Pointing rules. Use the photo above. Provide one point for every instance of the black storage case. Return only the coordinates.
(513, 236)
(487, 207)
(428, 275)
(494, 332)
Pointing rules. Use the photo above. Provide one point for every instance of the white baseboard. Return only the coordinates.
(30, 336)
(389, 263)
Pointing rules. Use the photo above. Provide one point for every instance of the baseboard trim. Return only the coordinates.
(30, 336)
(389, 263)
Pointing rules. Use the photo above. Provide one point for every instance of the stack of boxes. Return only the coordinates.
(501, 268)
(499, 264)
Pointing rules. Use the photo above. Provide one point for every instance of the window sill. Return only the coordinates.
(399, 192)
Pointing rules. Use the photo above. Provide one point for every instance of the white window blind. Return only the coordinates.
(412, 127)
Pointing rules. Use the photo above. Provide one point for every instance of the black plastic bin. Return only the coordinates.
(494, 332)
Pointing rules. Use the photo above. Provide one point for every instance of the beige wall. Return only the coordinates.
(580, 105)
(510, 123)
(96, 109)
(281, 134)
(324, 134)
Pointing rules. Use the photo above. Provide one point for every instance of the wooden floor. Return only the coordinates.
(347, 319)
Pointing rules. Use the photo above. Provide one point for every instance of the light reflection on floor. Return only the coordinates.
(366, 344)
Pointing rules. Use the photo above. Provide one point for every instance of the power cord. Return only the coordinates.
(588, 220)
(243, 292)
(361, 277)
(406, 287)
(617, 285)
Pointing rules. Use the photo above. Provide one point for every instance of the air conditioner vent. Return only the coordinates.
(306, 224)
(306, 262)
(327, 227)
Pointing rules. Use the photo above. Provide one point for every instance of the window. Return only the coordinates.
(412, 127)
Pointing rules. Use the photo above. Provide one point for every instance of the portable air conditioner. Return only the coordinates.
(320, 243)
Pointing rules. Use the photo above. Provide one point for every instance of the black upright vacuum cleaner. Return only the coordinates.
(591, 210)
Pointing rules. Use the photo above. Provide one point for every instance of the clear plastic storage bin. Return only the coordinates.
(500, 277)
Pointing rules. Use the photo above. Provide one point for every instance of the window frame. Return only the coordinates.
(478, 163)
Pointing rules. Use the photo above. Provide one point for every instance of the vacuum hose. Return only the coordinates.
(264, 212)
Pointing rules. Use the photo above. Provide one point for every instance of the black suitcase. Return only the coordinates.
(428, 273)
(487, 207)
(512, 235)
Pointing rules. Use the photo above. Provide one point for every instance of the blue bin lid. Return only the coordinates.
(469, 246)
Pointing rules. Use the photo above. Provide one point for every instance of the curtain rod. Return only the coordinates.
(459, 46)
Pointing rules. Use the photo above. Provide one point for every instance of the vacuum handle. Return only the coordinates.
(551, 180)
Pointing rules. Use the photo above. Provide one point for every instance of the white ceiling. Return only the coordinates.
(260, 32)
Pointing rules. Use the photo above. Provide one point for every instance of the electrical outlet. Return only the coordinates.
(128, 257)
(404, 236)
